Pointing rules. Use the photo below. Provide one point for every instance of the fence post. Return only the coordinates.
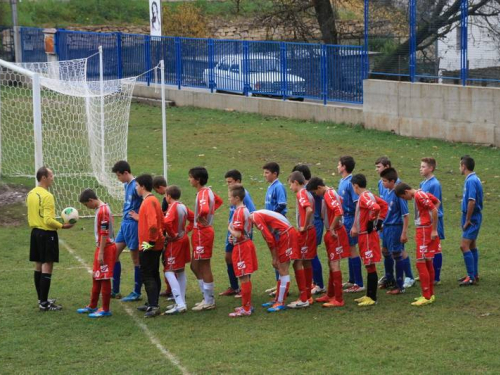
(211, 65)
(147, 57)
(178, 62)
(246, 68)
(366, 36)
(283, 69)
(119, 60)
(464, 63)
(413, 39)
(324, 74)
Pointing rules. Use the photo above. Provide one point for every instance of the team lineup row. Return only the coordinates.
(352, 218)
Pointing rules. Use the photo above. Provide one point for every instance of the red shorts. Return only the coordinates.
(104, 271)
(202, 240)
(288, 246)
(177, 254)
(244, 258)
(307, 244)
(426, 247)
(369, 247)
(337, 248)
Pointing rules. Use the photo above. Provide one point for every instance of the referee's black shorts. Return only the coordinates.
(44, 246)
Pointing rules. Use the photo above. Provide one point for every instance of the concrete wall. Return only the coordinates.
(348, 114)
(449, 112)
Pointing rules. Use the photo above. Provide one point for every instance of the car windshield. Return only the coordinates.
(263, 65)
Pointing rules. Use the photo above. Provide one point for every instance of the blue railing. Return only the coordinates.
(33, 44)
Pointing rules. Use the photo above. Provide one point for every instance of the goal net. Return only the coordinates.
(51, 115)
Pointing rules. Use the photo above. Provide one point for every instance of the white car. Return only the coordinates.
(264, 76)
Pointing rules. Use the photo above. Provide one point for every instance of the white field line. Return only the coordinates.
(32, 269)
(166, 353)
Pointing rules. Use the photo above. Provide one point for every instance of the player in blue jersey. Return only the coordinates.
(395, 227)
(432, 185)
(128, 235)
(233, 177)
(319, 286)
(472, 206)
(276, 199)
(345, 167)
(388, 280)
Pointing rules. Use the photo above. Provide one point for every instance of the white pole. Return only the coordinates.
(164, 119)
(101, 80)
(37, 123)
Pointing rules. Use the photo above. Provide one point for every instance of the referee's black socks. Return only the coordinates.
(44, 287)
(37, 276)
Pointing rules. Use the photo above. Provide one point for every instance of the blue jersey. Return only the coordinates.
(346, 191)
(132, 200)
(473, 190)
(276, 195)
(433, 186)
(398, 208)
(383, 191)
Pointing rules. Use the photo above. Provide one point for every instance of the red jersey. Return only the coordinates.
(206, 204)
(174, 222)
(241, 223)
(332, 207)
(103, 224)
(369, 208)
(151, 222)
(304, 200)
(424, 204)
(271, 224)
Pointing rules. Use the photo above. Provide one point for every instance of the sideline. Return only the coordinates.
(172, 358)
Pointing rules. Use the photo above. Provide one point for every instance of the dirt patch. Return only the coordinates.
(12, 207)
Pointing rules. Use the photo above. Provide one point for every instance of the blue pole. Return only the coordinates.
(366, 60)
(283, 69)
(413, 39)
(324, 74)
(178, 62)
(464, 42)
(147, 57)
(246, 69)
(119, 60)
(211, 65)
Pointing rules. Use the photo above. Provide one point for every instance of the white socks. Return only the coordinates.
(182, 279)
(208, 293)
(176, 289)
(284, 284)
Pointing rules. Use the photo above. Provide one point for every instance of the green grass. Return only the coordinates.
(457, 334)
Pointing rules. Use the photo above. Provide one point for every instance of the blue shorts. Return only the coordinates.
(441, 228)
(348, 223)
(472, 230)
(392, 238)
(229, 246)
(318, 224)
(129, 234)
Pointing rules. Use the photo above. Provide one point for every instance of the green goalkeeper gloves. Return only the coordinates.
(147, 245)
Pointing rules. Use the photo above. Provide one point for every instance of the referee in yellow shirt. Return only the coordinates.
(44, 246)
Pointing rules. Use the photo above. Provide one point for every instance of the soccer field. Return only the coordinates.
(460, 333)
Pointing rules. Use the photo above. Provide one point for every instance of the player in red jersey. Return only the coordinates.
(282, 239)
(370, 213)
(427, 238)
(177, 252)
(202, 239)
(244, 258)
(336, 239)
(307, 240)
(104, 256)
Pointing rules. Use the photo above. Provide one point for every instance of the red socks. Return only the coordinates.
(100, 287)
(423, 273)
(309, 279)
(300, 277)
(246, 295)
(331, 286)
(337, 285)
(430, 268)
(94, 295)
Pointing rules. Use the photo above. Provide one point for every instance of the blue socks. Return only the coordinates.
(138, 280)
(317, 272)
(356, 267)
(407, 268)
(475, 255)
(277, 274)
(437, 262)
(117, 273)
(389, 267)
(400, 269)
(469, 264)
(351, 272)
(233, 280)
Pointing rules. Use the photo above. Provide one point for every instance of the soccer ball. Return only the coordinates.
(69, 215)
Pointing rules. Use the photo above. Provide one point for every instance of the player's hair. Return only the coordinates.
(304, 169)
(384, 160)
(272, 167)
(42, 172)
(234, 174)
(468, 162)
(159, 181)
(174, 192)
(401, 189)
(389, 174)
(145, 181)
(121, 167)
(87, 195)
(431, 162)
(348, 162)
(200, 174)
(360, 180)
(297, 177)
(237, 190)
(314, 183)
